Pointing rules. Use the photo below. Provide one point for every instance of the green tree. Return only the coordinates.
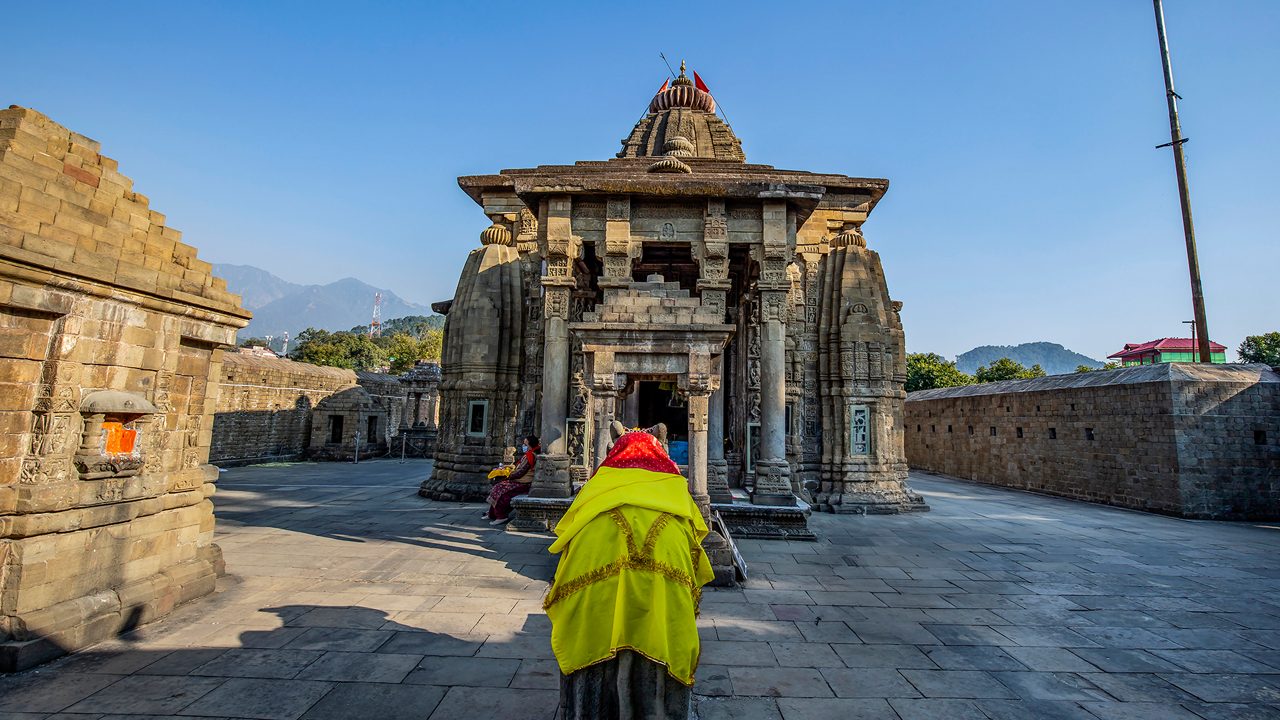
(1086, 368)
(1006, 369)
(403, 351)
(1263, 348)
(340, 349)
(254, 342)
(432, 344)
(930, 370)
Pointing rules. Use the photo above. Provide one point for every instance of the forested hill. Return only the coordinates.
(1052, 357)
(414, 325)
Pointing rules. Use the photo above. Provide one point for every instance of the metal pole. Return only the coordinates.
(1194, 351)
(1176, 141)
(357, 459)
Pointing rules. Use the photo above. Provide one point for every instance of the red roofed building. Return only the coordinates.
(1166, 350)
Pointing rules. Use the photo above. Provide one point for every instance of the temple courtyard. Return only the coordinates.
(347, 595)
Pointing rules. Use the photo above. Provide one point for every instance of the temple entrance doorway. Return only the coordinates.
(661, 402)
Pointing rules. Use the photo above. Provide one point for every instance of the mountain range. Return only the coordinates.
(1052, 357)
(281, 306)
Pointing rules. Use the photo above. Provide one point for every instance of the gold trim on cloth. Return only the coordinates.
(636, 559)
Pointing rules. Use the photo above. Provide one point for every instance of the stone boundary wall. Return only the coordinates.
(264, 407)
(1178, 438)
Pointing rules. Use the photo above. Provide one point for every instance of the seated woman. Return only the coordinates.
(626, 591)
(516, 483)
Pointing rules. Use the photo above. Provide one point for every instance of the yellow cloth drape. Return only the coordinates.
(631, 573)
(501, 472)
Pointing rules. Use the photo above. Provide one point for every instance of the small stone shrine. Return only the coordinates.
(419, 423)
(348, 425)
(111, 337)
(736, 303)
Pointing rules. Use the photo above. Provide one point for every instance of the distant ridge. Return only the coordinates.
(1052, 357)
(280, 306)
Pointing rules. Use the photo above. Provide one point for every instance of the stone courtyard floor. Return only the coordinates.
(348, 596)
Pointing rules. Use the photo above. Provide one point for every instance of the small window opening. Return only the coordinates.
(335, 428)
(948, 428)
(373, 429)
(993, 431)
(1019, 432)
(970, 429)
(1260, 437)
(477, 418)
(1088, 433)
(1053, 433)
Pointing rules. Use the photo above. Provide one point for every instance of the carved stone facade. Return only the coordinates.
(110, 345)
(736, 303)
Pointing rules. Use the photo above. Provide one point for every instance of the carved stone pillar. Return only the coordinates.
(773, 472)
(712, 255)
(631, 407)
(604, 400)
(551, 474)
(619, 250)
(717, 466)
(700, 386)
(433, 410)
(699, 398)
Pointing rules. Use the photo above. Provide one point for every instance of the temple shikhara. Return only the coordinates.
(677, 283)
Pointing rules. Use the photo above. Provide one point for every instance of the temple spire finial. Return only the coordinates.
(681, 68)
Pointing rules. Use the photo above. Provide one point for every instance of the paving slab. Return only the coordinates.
(384, 701)
(146, 695)
(259, 699)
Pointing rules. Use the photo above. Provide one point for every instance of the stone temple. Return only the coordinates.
(678, 283)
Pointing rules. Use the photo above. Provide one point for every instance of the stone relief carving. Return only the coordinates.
(557, 300)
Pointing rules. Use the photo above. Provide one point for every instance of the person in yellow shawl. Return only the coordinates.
(626, 591)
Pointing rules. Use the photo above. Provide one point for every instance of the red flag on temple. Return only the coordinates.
(664, 86)
(697, 82)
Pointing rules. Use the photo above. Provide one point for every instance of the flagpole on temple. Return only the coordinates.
(1176, 141)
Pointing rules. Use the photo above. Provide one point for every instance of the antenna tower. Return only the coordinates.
(375, 325)
(284, 349)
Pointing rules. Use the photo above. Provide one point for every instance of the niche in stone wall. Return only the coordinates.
(111, 442)
(477, 418)
(859, 430)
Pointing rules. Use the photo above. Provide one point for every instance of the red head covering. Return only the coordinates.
(639, 449)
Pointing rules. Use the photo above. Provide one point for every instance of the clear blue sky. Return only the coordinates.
(320, 140)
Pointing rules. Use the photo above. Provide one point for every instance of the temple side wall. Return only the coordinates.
(265, 405)
(110, 337)
(1178, 439)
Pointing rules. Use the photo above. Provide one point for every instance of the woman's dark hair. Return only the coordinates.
(532, 440)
